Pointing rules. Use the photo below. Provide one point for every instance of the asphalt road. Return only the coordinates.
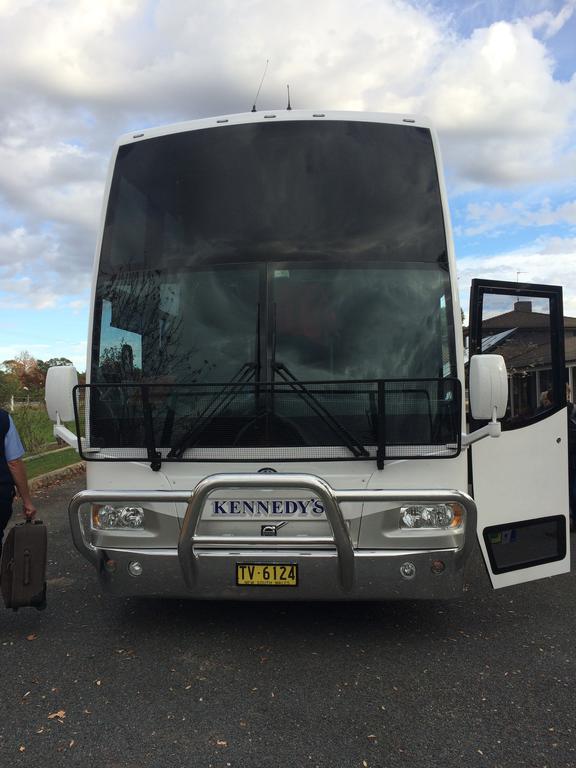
(486, 680)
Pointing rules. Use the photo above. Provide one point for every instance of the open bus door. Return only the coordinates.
(520, 480)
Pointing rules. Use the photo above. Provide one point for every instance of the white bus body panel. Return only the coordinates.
(523, 475)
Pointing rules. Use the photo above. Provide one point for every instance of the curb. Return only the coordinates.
(46, 453)
(56, 474)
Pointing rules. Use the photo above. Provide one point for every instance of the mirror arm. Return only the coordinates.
(64, 433)
(492, 429)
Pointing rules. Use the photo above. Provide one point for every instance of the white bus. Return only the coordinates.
(276, 406)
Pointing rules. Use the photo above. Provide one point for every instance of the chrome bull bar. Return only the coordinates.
(189, 540)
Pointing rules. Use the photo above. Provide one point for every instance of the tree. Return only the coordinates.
(54, 361)
(9, 386)
(31, 373)
(25, 368)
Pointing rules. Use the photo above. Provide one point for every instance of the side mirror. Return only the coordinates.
(60, 380)
(488, 387)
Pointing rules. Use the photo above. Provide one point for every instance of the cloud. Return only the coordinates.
(481, 218)
(19, 248)
(550, 262)
(503, 117)
(24, 293)
(551, 23)
(74, 74)
(38, 269)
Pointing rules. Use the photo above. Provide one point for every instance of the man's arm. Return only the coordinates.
(18, 472)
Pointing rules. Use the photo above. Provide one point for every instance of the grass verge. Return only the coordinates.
(35, 429)
(39, 465)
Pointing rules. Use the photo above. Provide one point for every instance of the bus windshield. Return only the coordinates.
(301, 250)
(324, 322)
(319, 244)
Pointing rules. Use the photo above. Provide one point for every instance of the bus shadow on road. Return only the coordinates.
(294, 620)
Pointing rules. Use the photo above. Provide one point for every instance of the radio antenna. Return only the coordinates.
(260, 86)
(288, 107)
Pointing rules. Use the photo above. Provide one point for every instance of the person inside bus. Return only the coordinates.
(12, 473)
(545, 401)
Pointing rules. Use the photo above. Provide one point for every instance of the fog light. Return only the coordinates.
(431, 516)
(438, 566)
(407, 570)
(135, 568)
(107, 517)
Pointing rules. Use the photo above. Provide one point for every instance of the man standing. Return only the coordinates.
(12, 473)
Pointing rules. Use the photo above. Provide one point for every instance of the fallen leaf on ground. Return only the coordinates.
(31, 637)
(60, 715)
(22, 748)
(221, 743)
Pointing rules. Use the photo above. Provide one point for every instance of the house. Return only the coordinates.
(522, 336)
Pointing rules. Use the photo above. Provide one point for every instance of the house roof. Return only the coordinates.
(522, 319)
(522, 336)
(529, 350)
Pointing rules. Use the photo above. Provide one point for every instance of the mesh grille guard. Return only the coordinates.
(286, 420)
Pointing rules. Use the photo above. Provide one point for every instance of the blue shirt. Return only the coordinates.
(13, 447)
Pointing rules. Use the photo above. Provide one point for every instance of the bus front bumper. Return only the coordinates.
(327, 568)
(378, 575)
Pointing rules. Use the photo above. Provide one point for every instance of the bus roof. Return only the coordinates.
(276, 115)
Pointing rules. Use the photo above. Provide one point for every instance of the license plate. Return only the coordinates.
(264, 575)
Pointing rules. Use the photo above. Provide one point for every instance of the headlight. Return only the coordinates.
(107, 517)
(431, 516)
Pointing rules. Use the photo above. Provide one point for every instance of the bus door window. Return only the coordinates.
(519, 328)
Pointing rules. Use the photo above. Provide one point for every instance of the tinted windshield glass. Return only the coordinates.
(275, 191)
(324, 323)
(317, 244)
(177, 326)
(364, 322)
(296, 251)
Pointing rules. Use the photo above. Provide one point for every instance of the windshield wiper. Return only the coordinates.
(216, 405)
(297, 386)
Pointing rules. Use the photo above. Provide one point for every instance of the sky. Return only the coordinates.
(497, 78)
